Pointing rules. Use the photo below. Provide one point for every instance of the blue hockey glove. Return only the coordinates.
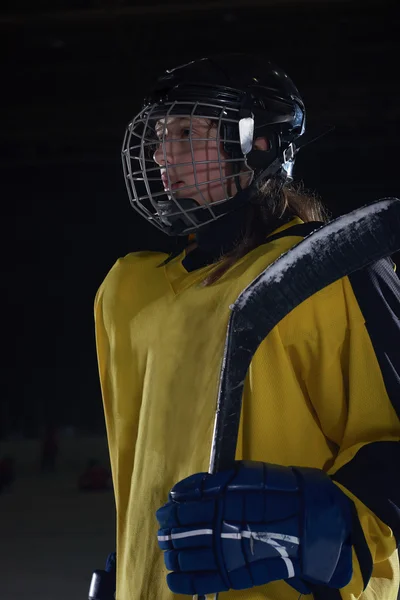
(254, 524)
(103, 583)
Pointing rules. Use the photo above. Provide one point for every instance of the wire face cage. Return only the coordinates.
(182, 159)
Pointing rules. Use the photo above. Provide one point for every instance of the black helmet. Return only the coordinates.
(248, 98)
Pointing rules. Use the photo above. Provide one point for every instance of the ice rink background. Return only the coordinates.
(51, 535)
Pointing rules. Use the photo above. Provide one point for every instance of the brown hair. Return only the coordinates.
(272, 205)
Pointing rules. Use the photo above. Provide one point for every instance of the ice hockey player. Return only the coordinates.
(312, 504)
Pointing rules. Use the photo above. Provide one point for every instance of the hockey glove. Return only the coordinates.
(254, 524)
(102, 585)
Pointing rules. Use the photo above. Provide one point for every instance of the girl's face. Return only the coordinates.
(195, 167)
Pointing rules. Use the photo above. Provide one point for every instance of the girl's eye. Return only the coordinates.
(186, 131)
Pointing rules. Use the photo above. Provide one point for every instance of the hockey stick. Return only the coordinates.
(347, 244)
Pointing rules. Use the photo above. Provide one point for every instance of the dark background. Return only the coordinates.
(75, 73)
(72, 75)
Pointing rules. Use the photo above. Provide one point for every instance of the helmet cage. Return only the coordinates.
(142, 175)
(238, 117)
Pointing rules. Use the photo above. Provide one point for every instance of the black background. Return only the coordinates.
(75, 73)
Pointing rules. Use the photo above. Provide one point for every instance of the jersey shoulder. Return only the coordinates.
(127, 271)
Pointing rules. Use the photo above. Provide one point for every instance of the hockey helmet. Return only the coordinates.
(246, 97)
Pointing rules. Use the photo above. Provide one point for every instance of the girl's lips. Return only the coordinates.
(173, 186)
(176, 185)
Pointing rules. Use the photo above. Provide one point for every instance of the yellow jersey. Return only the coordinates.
(315, 395)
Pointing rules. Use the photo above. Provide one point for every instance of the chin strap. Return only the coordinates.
(178, 222)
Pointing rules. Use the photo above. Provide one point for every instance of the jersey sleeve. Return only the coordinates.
(103, 362)
(361, 378)
(104, 334)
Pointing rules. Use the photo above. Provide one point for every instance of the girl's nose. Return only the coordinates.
(163, 154)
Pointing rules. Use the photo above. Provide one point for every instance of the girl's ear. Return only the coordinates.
(261, 143)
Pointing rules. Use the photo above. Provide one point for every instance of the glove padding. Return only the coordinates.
(255, 524)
